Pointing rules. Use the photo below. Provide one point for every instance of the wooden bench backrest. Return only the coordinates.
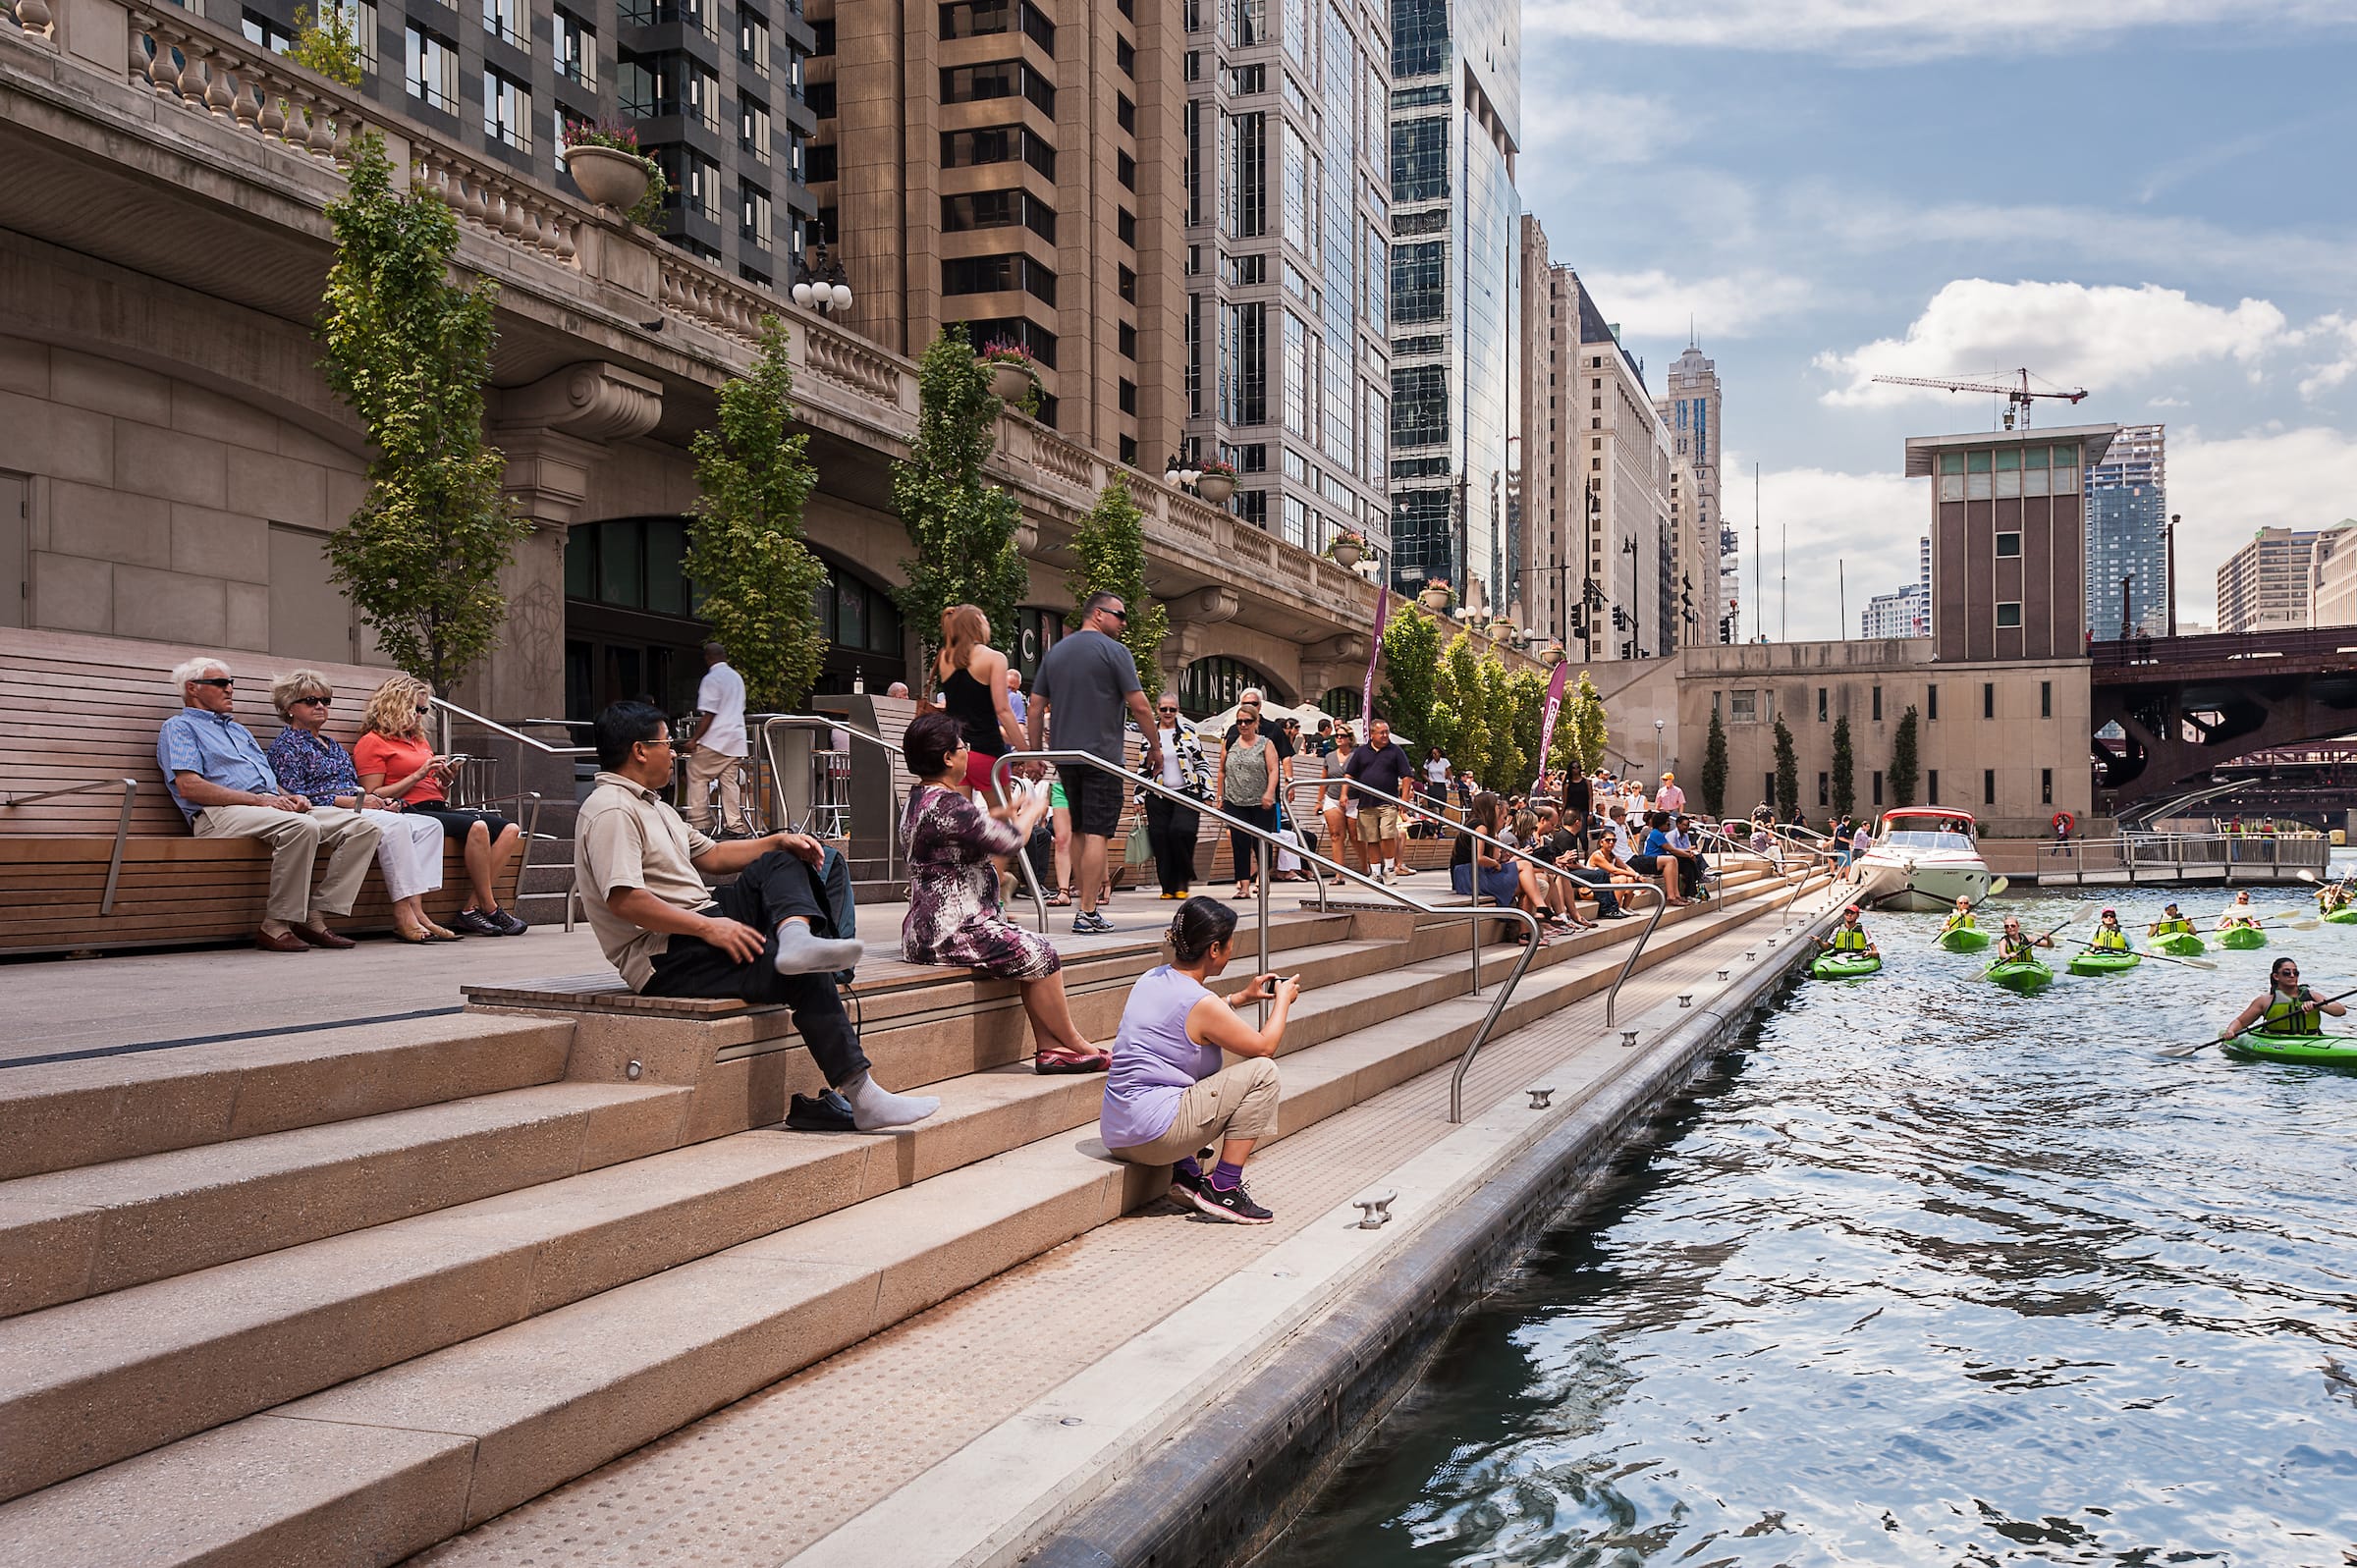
(76, 707)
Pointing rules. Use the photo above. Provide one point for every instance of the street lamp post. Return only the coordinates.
(822, 284)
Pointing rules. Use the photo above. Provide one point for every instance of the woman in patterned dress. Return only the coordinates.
(954, 912)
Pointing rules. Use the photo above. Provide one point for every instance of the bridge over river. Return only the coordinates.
(2169, 712)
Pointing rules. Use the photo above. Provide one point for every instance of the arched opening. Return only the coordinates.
(863, 630)
(631, 627)
(1210, 686)
(1340, 701)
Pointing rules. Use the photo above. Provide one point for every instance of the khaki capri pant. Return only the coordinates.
(1238, 1102)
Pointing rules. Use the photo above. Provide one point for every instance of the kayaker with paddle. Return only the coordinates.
(2288, 1008)
(2109, 937)
(1850, 937)
(2172, 921)
(2239, 913)
(2014, 947)
(1962, 919)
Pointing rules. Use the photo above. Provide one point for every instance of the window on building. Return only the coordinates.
(506, 111)
(1878, 705)
(1247, 23)
(1124, 282)
(1419, 282)
(1878, 786)
(1124, 225)
(432, 71)
(1821, 704)
(270, 34)
(752, 128)
(1124, 113)
(2008, 544)
(1988, 786)
(2046, 787)
(752, 215)
(993, 274)
(2008, 612)
(1419, 405)
(574, 48)
(509, 20)
(2046, 699)
(1125, 168)
(1931, 704)
(1420, 159)
(1419, 39)
(1988, 700)
(1743, 708)
(1825, 789)
(1125, 338)
(1125, 54)
(1931, 781)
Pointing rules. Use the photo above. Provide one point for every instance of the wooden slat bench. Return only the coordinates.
(84, 710)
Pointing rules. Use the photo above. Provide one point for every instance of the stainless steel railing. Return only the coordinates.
(1264, 835)
(114, 863)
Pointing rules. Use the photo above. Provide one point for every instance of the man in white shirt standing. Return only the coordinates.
(716, 747)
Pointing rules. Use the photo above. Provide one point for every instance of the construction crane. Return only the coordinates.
(2017, 397)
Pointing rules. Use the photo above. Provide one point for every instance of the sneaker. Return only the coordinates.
(508, 923)
(1232, 1204)
(1184, 1187)
(475, 924)
(1090, 924)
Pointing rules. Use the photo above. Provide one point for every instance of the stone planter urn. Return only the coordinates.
(1346, 555)
(1216, 488)
(608, 176)
(1553, 655)
(1502, 631)
(1010, 383)
(1435, 600)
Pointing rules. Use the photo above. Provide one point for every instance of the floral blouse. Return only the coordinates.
(313, 766)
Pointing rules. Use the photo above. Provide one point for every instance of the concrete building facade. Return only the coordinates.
(1905, 614)
(2269, 584)
(2127, 540)
(2008, 543)
(1456, 130)
(1286, 163)
(991, 162)
(1690, 405)
(1546, 598)
(1620, 451)
(2334, 595)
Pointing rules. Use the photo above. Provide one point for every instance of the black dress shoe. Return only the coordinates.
(825, 1112)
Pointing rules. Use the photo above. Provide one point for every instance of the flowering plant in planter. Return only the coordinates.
(612, 189)
(1348, 547)
(1214, 468)
(1007, 351)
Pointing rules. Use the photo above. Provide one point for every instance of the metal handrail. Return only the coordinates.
(446, 710)
(114, 864)
(1489, 1022)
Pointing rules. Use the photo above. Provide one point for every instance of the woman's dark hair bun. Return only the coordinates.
(929, 740)
(1200, 925)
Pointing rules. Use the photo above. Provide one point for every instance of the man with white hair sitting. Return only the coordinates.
(220, 777)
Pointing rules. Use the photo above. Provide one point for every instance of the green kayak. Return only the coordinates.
(2242, 939)
(2105, 961)
(1844, 965)
(2345, 915)
(2027, 976)
(2319, 1050)
(1964, 939)
(2185, 944)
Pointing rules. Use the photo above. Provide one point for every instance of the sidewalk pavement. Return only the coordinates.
(72, 1004)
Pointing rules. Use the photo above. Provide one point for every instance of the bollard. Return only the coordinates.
(1540, 1097)
(1685, 998)
(1375, 1212)
(1724, 973)
(1628, 1038)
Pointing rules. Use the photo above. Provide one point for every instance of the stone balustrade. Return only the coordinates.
(31, 16)
(183, 58)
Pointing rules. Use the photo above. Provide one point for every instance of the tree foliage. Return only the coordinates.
(1714, 768)
(1412, 661)
(1846, 770)
(1788, 776)
(1524, 703)
(1902, 760)
(1109, 555)
(961, 526)
(1460, 719)
(324, 41)
(1590, 723)
(757, 579)
(408, 351)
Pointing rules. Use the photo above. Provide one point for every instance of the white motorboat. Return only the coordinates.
(1923, 857)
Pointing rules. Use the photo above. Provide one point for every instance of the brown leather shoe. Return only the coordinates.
(321, 936)
(286, 944)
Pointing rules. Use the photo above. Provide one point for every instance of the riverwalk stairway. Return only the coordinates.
(333, 1296)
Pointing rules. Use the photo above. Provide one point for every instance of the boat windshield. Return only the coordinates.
(1916, 839)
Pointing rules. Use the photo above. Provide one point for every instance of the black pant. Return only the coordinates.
(1170, 832)
(1243, 847)
(1666, 866)
(772, 890)
(1599, 883)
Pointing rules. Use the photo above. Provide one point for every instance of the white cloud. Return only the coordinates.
(1654, 305)
(2229, 488)
(1852, 535)
(1905, 28)
(2069, 334)
(1601, 127)
(2339, 335)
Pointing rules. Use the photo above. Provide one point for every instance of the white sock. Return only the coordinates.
(800, 952)
(875, 1109)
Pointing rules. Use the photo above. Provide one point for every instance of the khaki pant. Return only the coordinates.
(294, 837)
(1238, 1102)
(705, 766)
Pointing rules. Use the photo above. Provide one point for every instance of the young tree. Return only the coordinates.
(757, 579)
(1461, 724)
(1109, 555)
(1525, 702)
(1411, 662)
(1787, 775)
(325, 42)
(1506, 754)
(1590, 725)
(1845, 779)
(1902, 760)
(408, 351)
(962, 526)
(1714, 768)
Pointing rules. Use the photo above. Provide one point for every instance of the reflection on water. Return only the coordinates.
(1929, 1273)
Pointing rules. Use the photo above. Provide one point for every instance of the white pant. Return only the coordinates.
(408, 851)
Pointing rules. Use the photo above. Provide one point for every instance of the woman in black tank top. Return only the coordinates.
(972, 678)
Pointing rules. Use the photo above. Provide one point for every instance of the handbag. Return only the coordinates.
(1137, 849)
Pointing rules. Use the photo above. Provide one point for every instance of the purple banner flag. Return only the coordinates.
(1366, 688)
(1555, 705)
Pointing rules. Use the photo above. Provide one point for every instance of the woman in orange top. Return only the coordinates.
(394, 758)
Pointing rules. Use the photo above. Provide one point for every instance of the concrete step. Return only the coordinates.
(384, 1465)
(64, 1114)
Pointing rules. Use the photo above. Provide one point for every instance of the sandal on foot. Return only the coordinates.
(1049, 1062)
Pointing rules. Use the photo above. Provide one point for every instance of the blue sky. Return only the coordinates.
(2150, 199)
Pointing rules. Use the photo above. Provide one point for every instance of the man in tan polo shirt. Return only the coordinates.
(766, 937)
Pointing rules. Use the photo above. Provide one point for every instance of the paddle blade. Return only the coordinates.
(2197, 963)
(1998, 886)
(2187, 1051)
(2302, 925)
(2305, 875)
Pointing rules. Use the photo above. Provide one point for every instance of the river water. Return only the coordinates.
(1924, 1274)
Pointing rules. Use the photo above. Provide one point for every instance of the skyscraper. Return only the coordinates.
(1456, 317)
(2127, 510)
(2270, 583)
(1689, 407)
(1620, 453)
(1288, 263)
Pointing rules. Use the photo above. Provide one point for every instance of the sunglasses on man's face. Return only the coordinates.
(1122, 616)
(220, 682)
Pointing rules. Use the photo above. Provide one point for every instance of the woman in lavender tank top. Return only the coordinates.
(1167, 1098)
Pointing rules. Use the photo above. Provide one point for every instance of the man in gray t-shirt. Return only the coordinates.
(1084, 683)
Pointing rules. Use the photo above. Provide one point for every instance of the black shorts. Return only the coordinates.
(1094, 798)
(457, 822)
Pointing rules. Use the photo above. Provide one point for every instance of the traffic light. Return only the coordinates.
(1619, 619)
